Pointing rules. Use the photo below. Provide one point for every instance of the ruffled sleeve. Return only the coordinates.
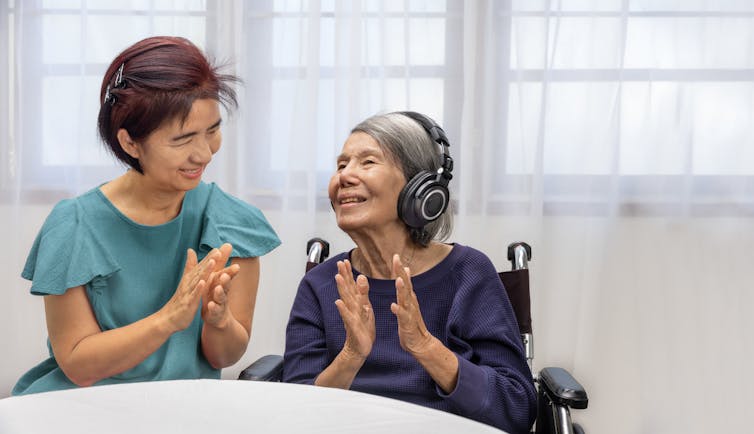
(66, 253)
(230, 220)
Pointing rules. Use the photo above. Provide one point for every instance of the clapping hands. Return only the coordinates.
(358, 318)
(204, 282)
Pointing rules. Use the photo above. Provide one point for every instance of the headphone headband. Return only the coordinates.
(437, 134)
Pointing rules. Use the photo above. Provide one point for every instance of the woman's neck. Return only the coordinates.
(132, 194)
(374, 256)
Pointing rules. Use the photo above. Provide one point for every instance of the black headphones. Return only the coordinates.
(425, 197)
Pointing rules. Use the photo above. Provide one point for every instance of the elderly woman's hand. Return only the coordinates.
(356, 311)
(413, 334)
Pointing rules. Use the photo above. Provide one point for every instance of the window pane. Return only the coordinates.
(102, 44)
(528, 39)
(287, 41)
(691, 5)
(722, 123)
(580, 128)
(427, 5)
(585, 42)
(192, 28)
(290, 5)
(427, 39)
(426, 96)
(660, 42)
(61, 4)
(327, 42)
(384, 41)
(66, 141)
(386, 95)
(180, 5)
(525, 104)
(567, 5)
(316, 141)
(652, 139)
(283, 98)
(61, 39)
(385, 5)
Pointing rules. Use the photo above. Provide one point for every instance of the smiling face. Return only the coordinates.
(175, 155)
(365, 187)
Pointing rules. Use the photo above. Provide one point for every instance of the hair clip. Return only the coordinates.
(119, 82)
(109, 97)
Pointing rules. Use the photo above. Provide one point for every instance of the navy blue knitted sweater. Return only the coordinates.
(464, 305)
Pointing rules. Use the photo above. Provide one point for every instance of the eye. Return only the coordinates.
(369, 161)
(340, 166)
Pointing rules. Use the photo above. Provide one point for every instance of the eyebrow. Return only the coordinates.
(360, 154)
(193, 133)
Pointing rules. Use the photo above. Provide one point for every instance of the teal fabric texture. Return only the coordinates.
(131, 270)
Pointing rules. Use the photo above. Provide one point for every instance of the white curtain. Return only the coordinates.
(614, 136)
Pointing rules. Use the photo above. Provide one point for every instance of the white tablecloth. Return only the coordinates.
(222, 406)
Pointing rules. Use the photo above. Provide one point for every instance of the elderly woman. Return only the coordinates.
(406, 316)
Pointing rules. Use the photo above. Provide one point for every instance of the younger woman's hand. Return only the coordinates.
(180, 310)
(215, 311)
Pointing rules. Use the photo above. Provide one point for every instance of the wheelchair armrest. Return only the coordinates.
(266, 368)
(562, 388)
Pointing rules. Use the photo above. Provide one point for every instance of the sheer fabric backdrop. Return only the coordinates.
(614, 136)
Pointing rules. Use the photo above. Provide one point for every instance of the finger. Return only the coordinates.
(345, 314)
(345, 283)
(195, 291)
(205, 269)
(222, 255)
(219, 296)
(346, 296)
(397, 265)
(225, 252)
(215, 312)
(362, 285)
(400, 292)
(190, 261)
(347, 272)
(407, 277)
(213, 254)
(224, 281)
(231, 270)
(396, 310)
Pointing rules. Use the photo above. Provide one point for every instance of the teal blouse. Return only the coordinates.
(130, 271)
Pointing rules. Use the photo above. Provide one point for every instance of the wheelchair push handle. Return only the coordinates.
(317, 250)
(519, 253)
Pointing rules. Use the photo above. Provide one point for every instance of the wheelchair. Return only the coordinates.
(557, 390)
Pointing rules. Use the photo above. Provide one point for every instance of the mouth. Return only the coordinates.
(348, 200)
(192, 173)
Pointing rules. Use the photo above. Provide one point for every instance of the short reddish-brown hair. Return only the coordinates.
(161, 78)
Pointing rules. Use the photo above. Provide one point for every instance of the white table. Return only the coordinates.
(222, 406)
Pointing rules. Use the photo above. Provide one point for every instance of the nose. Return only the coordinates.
(347, 175)
(202, 152)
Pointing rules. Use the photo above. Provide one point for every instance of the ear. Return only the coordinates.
(127, 144)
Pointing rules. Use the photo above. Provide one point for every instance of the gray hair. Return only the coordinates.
(407, 144)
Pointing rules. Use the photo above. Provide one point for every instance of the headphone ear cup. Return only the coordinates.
(422, 200)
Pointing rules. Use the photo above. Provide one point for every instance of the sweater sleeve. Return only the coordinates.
(305, 354)
(495, 384)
